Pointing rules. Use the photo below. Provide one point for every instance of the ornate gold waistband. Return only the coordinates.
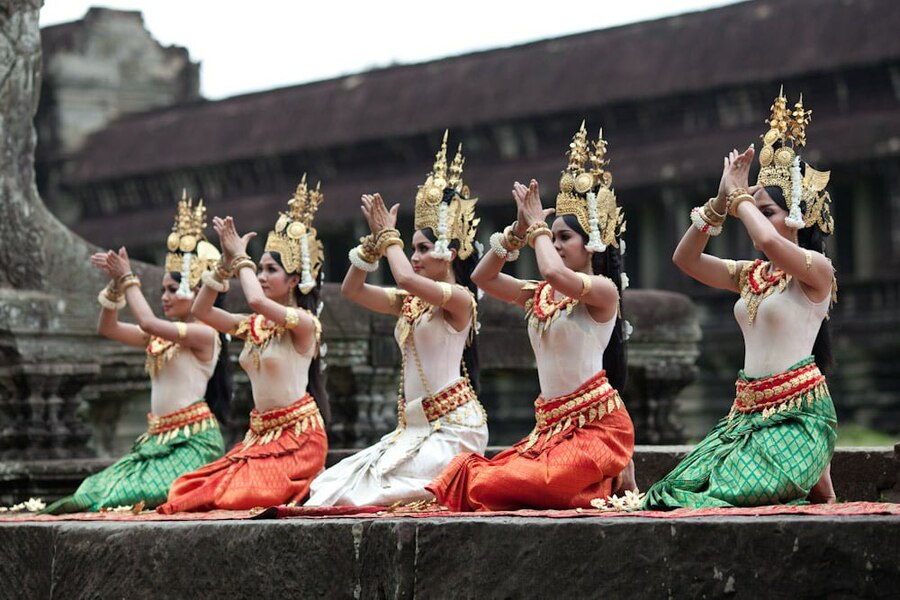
(266, 426)
(189, 420)
(780, 392)
(446, 401)
(593, 400)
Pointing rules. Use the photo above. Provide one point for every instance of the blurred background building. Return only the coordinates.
(123, 128)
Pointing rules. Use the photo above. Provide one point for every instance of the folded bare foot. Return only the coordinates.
(625, 480)
(823, 491)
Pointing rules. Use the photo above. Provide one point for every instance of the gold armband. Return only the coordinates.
(446, 292)
(182, 330)
(586, 283)
(291, 318)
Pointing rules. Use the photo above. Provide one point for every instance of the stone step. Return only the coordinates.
(497, 557)
(858, 473)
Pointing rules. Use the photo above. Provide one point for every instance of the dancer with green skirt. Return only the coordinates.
(182, 356)
(776, 443)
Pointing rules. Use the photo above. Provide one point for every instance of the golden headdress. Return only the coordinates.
(294, 237)
(189, 252)
(443, 205)
(807, 201)
(587, 193)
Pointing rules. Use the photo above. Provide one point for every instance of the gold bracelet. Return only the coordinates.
(535, 230)
(446, 292)
(710, 204)
(113, 292)
(182, 330)
(368, 249)
(242, 262)
(733, 203)
(732, 197)
(387, 238)
(291, 318)
(110, 298)
(709, 214)
(128, 280)
(586, 283)
(513, 241)
(222, 273)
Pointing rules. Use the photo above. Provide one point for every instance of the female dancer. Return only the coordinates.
(777, 441)
(438, 412)
(285, 446)
(581, 446)
(182, 433)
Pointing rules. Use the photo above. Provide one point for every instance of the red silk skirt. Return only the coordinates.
(581, 442)
(274, 464)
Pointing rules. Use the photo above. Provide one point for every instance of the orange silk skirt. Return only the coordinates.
(581, 442)
(274, 464)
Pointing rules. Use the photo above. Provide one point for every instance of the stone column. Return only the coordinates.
(48, 348)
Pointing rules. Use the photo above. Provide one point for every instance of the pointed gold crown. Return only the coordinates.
(189, 251)
(294, 237)
(444, 206)
(586, 192)
(807, 201)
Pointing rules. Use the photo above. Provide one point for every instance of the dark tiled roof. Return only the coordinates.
(761, 41)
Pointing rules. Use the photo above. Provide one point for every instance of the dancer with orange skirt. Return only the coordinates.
(286, 444)
(583, 441)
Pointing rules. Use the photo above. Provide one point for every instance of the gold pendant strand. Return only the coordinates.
(757, 285)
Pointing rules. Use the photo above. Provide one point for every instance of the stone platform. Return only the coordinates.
(470, 557)
(870, 474)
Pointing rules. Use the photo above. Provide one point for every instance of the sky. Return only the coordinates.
(279, 43)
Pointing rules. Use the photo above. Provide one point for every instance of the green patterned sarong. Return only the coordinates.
(772, 453)
(185, 441)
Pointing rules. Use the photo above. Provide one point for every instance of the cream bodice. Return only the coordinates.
(278, 373)
(783, 332)
(569, 351)
(440, 349)
(181, 381)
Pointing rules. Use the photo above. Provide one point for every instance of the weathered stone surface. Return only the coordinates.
(26, 559)
(507, 557)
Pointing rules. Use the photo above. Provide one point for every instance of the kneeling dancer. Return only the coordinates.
(438, 412)
(776, 443)
(286, 445)
(182, 357)
(583, 441)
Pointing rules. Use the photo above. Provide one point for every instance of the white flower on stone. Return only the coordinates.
(30, 505)
(622, 247)
(630, 502)
(625, 281)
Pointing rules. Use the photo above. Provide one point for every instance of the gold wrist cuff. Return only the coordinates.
(535, 230)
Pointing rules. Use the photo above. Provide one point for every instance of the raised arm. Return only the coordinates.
(488, 274)
(300, 323)
(812, 269)
(456, 303)
(199, 338)
(364, 259)
(594, 290)
(689, 256)
(108, 324)
(204, 309)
